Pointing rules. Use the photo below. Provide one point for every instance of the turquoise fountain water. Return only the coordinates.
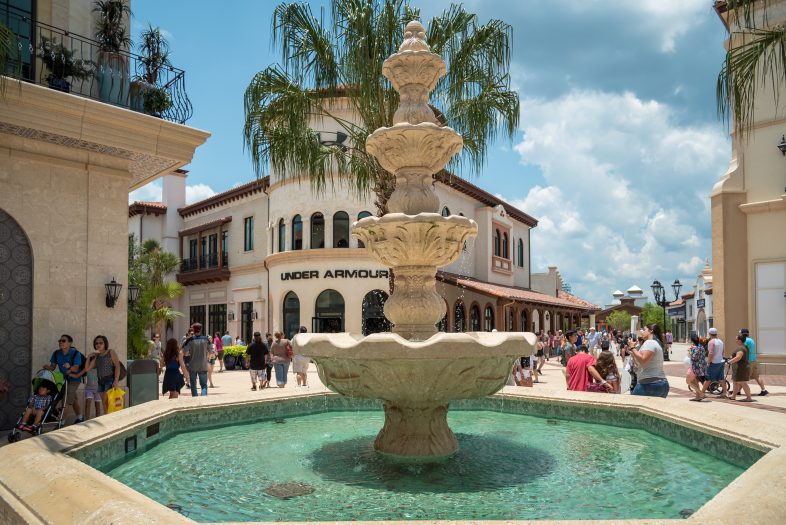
(507, 467)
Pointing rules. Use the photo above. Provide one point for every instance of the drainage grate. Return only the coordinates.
(152, 430)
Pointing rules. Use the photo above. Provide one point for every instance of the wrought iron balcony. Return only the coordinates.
(207, 262)
(204, 270)
(64, 61)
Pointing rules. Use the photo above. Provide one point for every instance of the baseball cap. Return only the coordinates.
(713, 331)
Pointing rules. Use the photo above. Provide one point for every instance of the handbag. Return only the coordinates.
(290, 351)
(596, 387)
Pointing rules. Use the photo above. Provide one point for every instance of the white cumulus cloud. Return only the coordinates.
(625, 188)
(152, 193)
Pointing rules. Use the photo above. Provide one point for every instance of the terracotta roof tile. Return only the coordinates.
(514, 293)
(146, 207)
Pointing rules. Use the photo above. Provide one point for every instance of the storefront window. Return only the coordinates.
(317, 231)
(488, 319)
(297, 233)
(282, 236)
(458, 317)
(374, 320)
(197, 315)
(246, 321)
(474, 319)
(329, 313)
(217, 319)
(291, 315)
(363, 215)
(341, 230)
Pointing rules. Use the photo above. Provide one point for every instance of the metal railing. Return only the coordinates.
(209, 261)
(68, 62)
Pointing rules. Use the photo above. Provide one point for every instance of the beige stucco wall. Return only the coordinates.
(73, 207)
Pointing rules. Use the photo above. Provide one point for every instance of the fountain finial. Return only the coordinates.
(414, 38)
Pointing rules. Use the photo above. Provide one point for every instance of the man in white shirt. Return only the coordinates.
(715, 370)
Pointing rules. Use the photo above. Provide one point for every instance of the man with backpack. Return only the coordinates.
(198, 348)
(70, 362)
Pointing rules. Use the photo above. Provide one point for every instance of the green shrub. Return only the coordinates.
(235, 350)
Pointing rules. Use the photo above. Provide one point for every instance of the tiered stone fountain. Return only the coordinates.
(415, 370)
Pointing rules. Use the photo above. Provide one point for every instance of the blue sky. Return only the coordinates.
(618, 147)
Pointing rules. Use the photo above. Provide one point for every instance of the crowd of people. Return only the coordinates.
(589, 360)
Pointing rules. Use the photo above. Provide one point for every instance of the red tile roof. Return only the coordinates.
(146, 207)
(515, 293)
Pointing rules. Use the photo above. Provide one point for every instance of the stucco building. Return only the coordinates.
(265, 256)
(67, 163)
(748, 219)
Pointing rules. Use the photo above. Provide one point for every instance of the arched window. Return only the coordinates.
(340, 230)
(363, 215)
(474, 318)
(297, 233)
(459, 323)
(521, 253)
(488, 319)
(505, 250)
(317, 231)
(445, 211)
(374, 320)
(329, 312)
(291, 315)
(496, 243)
(282, 236)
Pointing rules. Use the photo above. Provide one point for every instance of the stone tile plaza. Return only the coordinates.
(363, 322)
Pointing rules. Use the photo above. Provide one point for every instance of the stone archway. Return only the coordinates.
(16, 317)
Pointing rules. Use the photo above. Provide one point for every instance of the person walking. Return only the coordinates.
(281, 355)
(226, 339)
(300, 365)
(218, 344)
(173, 365)
(753, 367)
(697, 375)
(569, 347)
(68, 359)
(257, 352)
(740, 362)
(198, 347)
(269, 358)
(648, 358)
(716, 362)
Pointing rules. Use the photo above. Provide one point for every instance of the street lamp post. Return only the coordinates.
(659, 292)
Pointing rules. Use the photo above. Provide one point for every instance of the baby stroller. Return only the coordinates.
(53, 416)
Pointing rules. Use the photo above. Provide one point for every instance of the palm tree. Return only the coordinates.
(148, 268)
(324, 61)
(10, 57)
(756, 57)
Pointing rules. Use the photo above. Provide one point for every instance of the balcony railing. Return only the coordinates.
(208, 262)
(75, 64)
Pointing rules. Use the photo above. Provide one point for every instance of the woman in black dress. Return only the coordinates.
(173, 365)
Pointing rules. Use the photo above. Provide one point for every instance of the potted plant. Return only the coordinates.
(112, 36)
(62, 65)
(234, 357)
(146, 94)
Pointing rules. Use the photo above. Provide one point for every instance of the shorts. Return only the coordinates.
(715, 372)
(212, 362)
(258, 375)
(71, 389)
(300, 364)
(105, 383)
(753, 370)
(92, 393)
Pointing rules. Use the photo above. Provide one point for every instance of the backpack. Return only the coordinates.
(71, 360)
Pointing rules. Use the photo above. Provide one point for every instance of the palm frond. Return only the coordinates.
(758, 59)
(10, 56)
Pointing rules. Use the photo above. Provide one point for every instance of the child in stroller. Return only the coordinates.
(48, 389)
(36, 405)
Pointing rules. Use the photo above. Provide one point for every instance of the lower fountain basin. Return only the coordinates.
(416, 379)
(386, 366)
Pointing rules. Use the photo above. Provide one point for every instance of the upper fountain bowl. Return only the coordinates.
(425, 147)
(426, 239)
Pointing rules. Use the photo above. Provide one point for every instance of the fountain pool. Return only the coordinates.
(509, 466)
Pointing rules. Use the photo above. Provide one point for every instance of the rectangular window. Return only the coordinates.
(248, 233)
(197, 315)
(224, 242)
(246, 321)
(217, 317)
(212, 250)
(192, 249)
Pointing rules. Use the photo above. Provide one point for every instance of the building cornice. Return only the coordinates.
(457, 183)
(764, 206)
(233, 194)
(305, 257)
(205, 226)
(152, 146)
